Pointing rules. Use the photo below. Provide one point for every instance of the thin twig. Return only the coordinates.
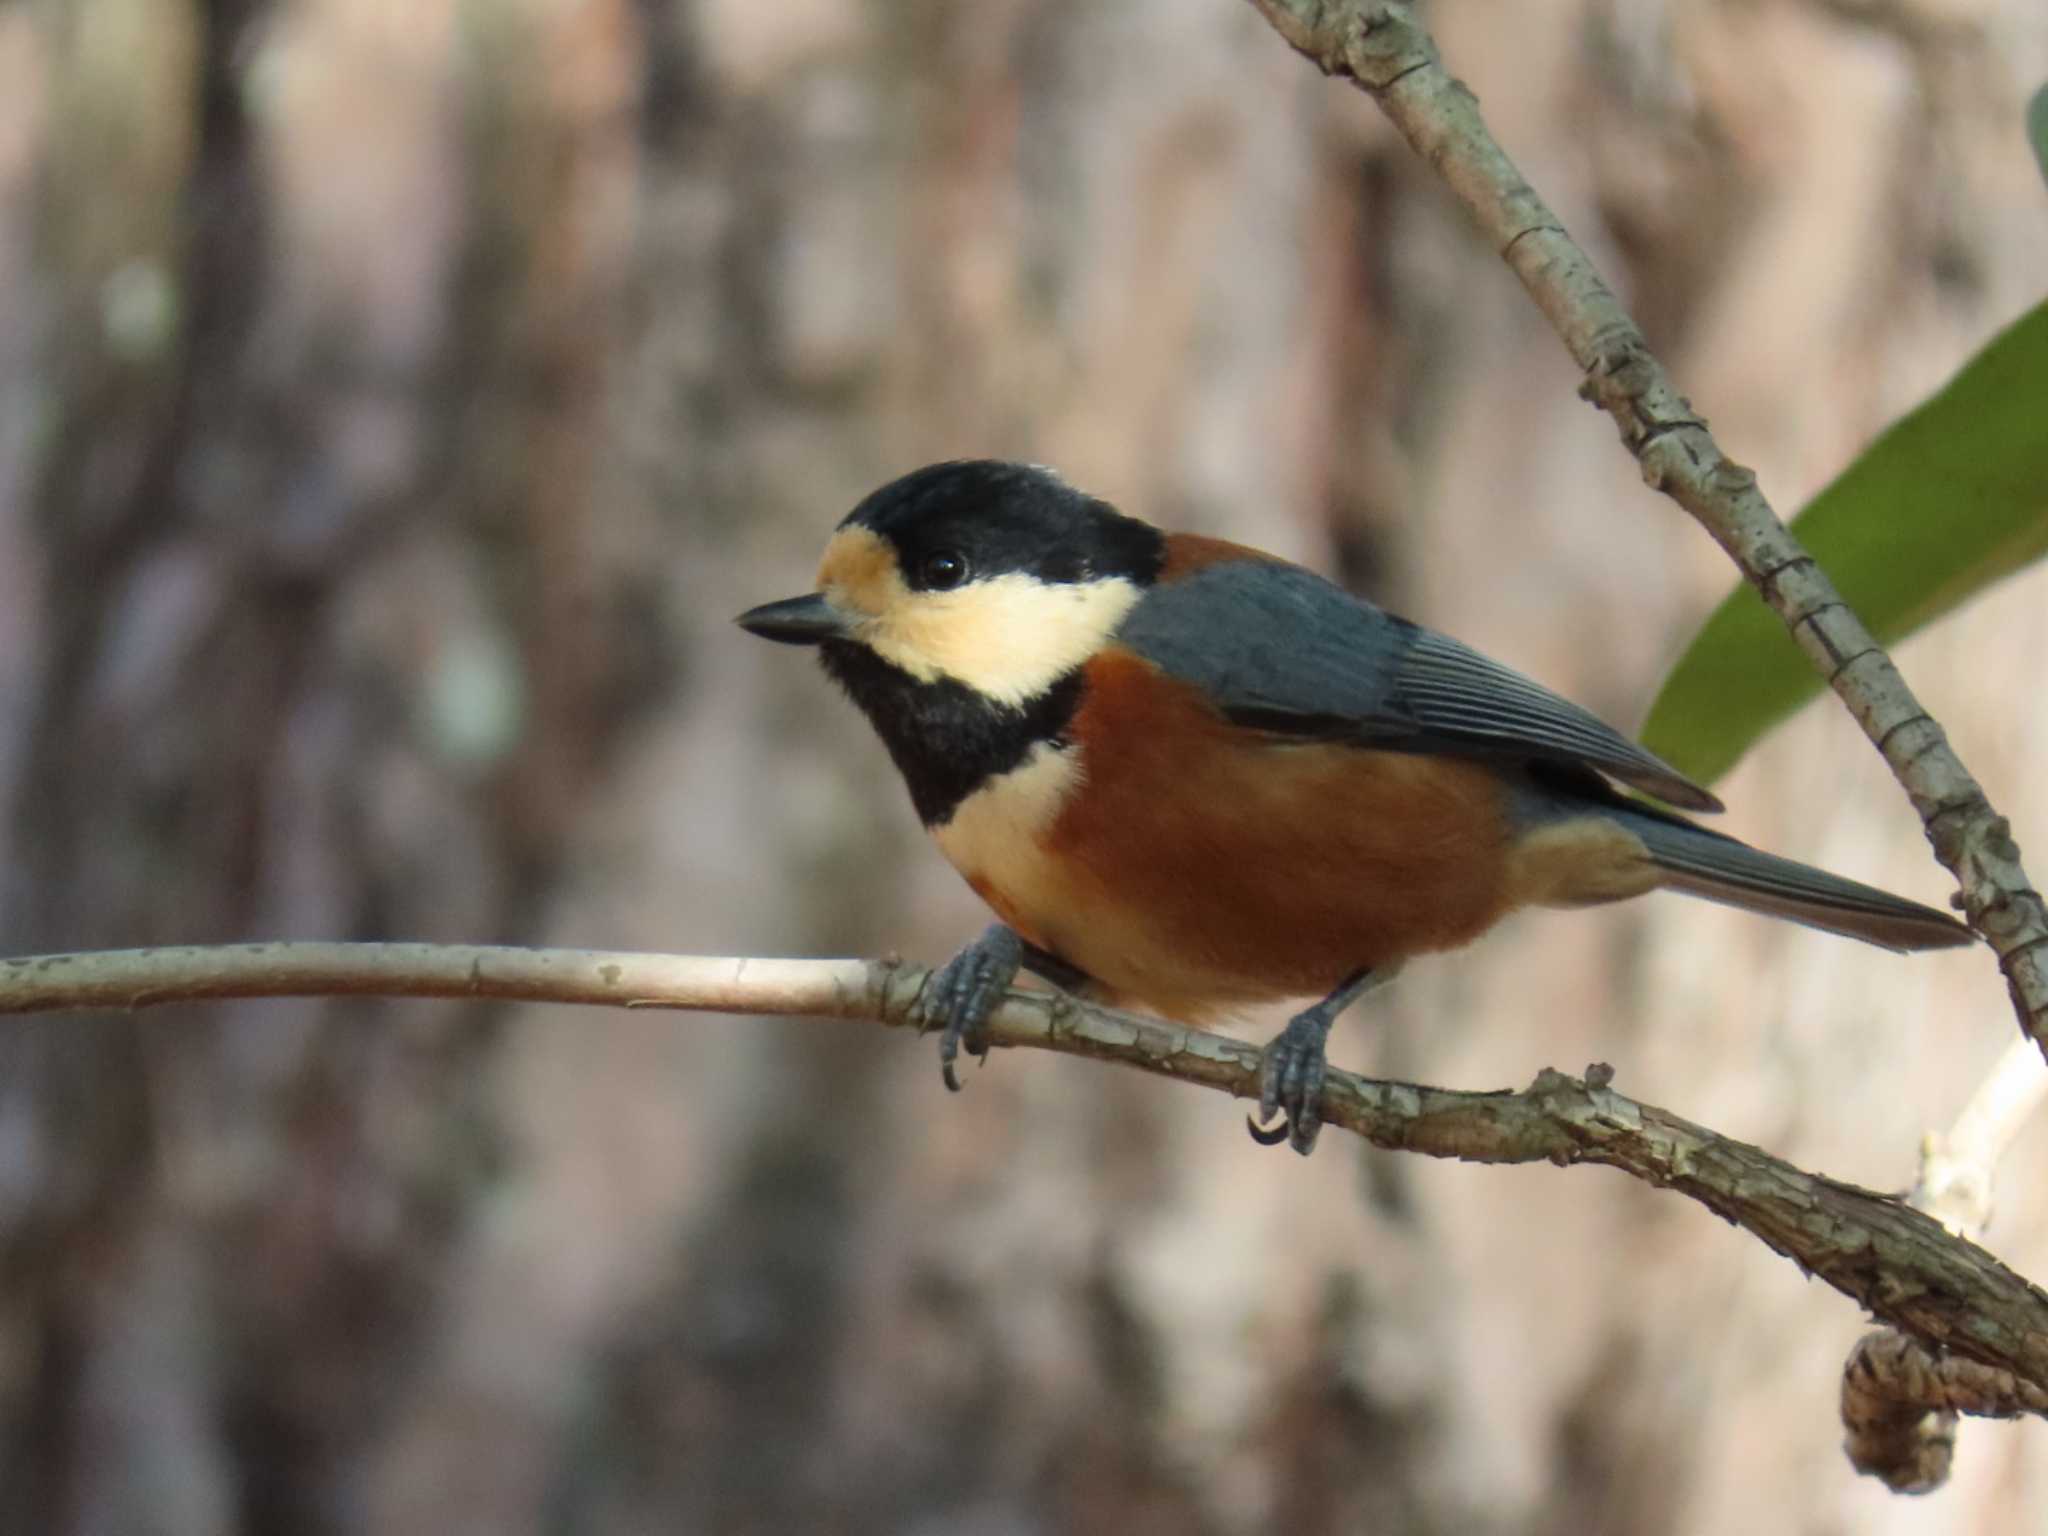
(1957, 1168)
(1896, 1262)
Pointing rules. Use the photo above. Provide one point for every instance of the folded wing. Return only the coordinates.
(1282, 650)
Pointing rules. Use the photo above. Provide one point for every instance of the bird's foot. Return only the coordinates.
(1291, 1071)
(1292, 1066)
(963, 992)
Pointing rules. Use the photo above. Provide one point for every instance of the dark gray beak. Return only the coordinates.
(794, 621)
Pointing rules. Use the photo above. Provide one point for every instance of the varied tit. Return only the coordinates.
(1191, 776)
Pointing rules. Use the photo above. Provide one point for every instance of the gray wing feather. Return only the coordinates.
(1283, 650)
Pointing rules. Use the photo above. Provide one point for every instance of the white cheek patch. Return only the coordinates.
(1009, 637)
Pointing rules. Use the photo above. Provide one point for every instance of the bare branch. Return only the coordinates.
(1381, 46)
(147, 978)
(1899, 1264)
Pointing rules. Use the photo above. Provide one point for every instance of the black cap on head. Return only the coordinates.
(997, 517)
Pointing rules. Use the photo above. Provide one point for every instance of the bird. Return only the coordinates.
(1192, 777)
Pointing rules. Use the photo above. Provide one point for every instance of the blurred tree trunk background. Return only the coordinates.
(397, 398)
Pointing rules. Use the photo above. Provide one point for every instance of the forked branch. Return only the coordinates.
(1382, 48)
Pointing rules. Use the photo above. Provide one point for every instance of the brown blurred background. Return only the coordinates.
(398, 397)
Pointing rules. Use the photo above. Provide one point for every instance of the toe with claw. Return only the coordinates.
(963, 993)
(1291, 1071)
(1292, 1067)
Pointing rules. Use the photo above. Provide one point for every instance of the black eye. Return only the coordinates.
(942, 570)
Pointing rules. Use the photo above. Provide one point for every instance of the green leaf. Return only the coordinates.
(2037, 128)
(1951, 498)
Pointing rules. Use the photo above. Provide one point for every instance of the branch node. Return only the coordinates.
(1385, 46)
(1900, 1402)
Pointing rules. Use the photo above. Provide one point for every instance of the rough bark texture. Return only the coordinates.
(1900, 1402)
(395, 404)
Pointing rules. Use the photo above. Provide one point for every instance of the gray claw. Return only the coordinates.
(963, 993)
(1291, 1072)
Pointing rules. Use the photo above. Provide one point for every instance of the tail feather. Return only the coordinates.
(1703, 863)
